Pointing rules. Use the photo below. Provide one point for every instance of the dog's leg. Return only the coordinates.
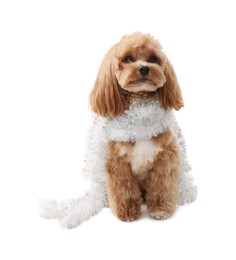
(162, 181)
(123, 190)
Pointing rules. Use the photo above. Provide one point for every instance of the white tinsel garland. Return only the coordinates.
(142, 121)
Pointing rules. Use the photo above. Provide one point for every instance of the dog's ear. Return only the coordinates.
(105, 99)
(170, 93)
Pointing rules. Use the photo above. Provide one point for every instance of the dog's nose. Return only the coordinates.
(144, 70)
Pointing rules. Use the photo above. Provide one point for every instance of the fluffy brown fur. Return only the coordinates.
(134, 69)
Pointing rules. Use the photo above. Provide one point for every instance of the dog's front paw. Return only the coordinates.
(160, 214)
(130, 211)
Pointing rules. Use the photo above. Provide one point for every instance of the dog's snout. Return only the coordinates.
(144, 70)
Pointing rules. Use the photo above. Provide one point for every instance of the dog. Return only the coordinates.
(133, 70)
(136, 151)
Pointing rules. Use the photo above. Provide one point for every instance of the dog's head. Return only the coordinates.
(135, 64)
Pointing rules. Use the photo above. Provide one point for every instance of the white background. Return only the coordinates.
(50, 52)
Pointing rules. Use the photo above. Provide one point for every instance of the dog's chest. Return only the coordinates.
(141, 156)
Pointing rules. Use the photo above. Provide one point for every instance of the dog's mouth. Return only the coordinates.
(141, 81)
(141, 84)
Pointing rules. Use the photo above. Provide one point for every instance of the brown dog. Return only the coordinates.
(133, 70)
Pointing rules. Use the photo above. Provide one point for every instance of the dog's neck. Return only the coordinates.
(130, 98)
(143, 120)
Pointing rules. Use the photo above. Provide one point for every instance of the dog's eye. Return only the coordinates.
(152, 59)
(128, 59)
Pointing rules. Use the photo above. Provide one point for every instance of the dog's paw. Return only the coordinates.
(131, 212)
(128, 215)
(160, 214)
(161, 210)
